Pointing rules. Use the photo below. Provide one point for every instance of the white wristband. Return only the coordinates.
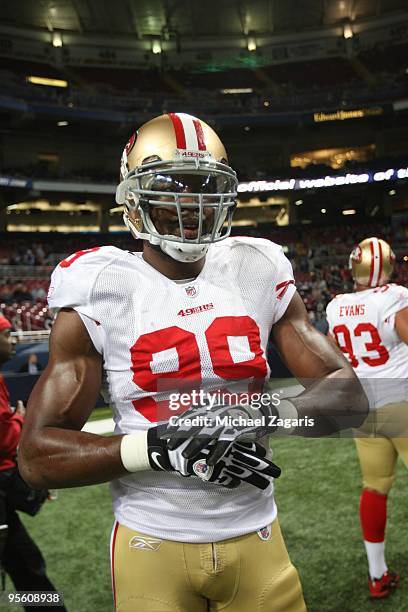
(287, 410)
(133, 452)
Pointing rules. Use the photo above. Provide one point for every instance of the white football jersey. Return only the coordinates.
(363, 324)
(158, 336)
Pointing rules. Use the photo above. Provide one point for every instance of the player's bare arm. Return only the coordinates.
(333, 396)
(401, 324)
(53, 451)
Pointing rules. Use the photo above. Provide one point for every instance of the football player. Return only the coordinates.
(371, 328)
(193, 311)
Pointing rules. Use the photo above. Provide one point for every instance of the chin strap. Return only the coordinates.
(185, 253)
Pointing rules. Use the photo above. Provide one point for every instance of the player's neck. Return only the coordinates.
(358, 287)
(166, 265)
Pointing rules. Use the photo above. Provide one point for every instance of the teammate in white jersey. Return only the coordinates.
(371, 328)
(193, 311)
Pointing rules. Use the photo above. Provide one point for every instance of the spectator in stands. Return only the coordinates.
(15, 259)
(32, 366)
(21, 293)
(5, 292)
(28, 258)
(19, 555)
(39, 254)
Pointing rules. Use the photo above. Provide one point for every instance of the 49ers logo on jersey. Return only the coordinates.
(185, 312)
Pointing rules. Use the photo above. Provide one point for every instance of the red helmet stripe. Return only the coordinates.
(178, 130)
(370, 280)
(381, 262)
(376, 262)
(200, 134)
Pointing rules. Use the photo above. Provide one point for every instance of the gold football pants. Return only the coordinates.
(378, 449)
(244, 574)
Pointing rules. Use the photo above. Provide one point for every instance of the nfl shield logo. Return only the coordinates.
(191, 290)
(265, 533)
(202, 470)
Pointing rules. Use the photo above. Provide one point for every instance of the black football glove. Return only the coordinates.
(220, 423)
(241, 462)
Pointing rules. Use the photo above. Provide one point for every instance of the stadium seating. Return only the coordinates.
(295, 86)
(319, 257)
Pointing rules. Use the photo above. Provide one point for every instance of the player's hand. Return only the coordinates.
(221, 423)
(241, 462)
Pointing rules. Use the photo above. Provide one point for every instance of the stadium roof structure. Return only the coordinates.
(190, 19)
(177, 27)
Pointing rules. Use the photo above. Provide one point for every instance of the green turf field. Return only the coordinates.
(317, 496)
(318, 501)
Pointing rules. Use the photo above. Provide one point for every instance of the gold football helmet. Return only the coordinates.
(177, 161)
(371, 262)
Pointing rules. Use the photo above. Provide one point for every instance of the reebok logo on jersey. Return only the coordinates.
(185, 312)
(145, 543)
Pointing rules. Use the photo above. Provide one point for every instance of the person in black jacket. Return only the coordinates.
(20, 557)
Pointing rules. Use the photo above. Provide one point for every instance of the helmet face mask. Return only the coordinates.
(193, 194)
(183, 202)
(371, 262)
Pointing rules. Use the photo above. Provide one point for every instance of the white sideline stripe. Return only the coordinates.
(99, 427)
